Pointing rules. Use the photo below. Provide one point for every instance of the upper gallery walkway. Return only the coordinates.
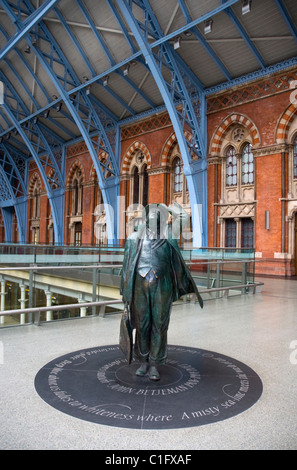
(83, 281)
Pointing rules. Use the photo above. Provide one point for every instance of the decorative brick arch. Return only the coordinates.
(284, 123)
(93, 174)
(169, 144)
(76, 164)
(217, 139)
(131, 152)
(35, 177)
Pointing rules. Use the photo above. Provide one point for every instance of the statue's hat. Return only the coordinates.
(162, 208)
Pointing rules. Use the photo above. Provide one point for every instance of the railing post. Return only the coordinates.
(31, 287)
(94, 293)
(49, 314)
(218, 277)
(3, 293)
(244, 276)
(23, 302)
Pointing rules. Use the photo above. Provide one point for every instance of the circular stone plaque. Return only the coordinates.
(197, 387)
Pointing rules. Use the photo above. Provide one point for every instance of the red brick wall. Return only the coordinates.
(264, 113)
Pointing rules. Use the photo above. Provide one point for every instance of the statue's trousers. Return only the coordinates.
(152, 306)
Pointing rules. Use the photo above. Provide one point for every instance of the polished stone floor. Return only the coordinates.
(259, 330)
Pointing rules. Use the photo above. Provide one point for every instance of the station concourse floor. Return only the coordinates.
(259, 330)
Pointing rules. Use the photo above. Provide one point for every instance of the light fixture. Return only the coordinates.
(246, 6)
(27, 50)
(176, 44)
(88, 90)
(126, 70)
(59, 106)
(46, 114)
(188, 33)
(35, 120)
(105, 80)
(208, 26)
(72, 98)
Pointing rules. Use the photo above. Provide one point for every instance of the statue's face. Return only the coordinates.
(156, 220)
(153, 220)
(153, 216)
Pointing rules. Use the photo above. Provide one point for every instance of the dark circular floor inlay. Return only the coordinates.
(197, 387)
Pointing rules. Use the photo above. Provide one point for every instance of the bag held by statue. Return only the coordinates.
(126, 336)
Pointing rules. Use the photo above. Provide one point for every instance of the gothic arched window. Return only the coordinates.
(231, 167)
(145, 185)
(135, 185)
(295, 157)
(77, 192)
(247, 165)
(177, 175)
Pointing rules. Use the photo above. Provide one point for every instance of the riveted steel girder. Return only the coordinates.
(177, 92)
(83, 113)
(26, 26)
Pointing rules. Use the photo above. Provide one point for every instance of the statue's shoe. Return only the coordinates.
(142, 370)
(154, 374)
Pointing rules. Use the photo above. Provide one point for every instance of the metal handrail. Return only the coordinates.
(38, 310)
(237, 286)
(37, 268)
(99, 266)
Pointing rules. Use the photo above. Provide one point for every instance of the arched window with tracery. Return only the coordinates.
(177, 175)
(34, 219)
(247, 165)
(295, 157)
(77, 192)
(231, 167)
(36, 201)
(135, 176)
(145, 185)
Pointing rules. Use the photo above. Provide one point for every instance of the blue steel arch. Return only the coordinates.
(9, 203)
(90, 116)
(13, 193)
(195, 170)
(44, 157)
(83, 115)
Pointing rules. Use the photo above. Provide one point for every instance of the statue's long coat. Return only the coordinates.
(183, 283)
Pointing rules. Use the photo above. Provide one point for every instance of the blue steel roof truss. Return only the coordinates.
(14, 165)
(182, 92)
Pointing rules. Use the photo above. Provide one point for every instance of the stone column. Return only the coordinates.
(49, 313)
(83, 310)
(22, 300)
(2, 303)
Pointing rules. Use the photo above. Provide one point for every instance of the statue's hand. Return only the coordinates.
(176, 210)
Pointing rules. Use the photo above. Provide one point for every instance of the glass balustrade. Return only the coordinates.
(35, 276)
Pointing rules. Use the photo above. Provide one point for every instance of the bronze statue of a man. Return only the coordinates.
(154, 276)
